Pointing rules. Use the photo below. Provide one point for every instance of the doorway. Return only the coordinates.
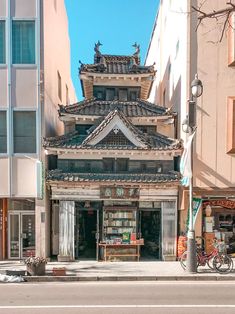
(150, 230)
(86, 235)
(21, 235)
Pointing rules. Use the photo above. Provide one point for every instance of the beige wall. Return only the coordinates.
(212, 165)
(56, 59)
(3, 8)
(4, 177)
(22, 97)
(24, 177)
(3, 84)
(23, 8)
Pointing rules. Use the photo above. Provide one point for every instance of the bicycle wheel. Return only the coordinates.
(223, 263)
(210, 263)
(183, 260)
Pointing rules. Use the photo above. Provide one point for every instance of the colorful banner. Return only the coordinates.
(196, 206)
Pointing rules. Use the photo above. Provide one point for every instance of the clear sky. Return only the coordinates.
(118, 24)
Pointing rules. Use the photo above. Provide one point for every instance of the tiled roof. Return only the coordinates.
(114, 64)
(94, 107)
(75, 141)
(56, 175)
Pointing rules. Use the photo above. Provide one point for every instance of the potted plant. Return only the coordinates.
(35, 266)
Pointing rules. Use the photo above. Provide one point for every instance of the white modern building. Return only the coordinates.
(179, 52)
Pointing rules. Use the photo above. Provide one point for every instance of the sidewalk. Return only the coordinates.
(97, 271)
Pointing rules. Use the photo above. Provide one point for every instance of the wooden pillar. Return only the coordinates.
(4, 229)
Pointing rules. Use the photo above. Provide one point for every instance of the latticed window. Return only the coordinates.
(117, 139)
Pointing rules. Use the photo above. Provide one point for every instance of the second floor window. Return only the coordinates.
(24, 131)
(59, 86)
(3, 132)
(67, 95)
(110, 93)
(122, 95)
(2, 42)
(23, 42)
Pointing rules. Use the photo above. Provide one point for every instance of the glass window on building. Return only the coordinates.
(3, 132)
(110, 93)
(2, 42)
(67, 94)
(59, 86)
(122, 164)
(23, 42)
(108, 164)
(122, 94)
(24, 131)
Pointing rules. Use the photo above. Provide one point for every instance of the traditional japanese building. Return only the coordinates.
(114, 188)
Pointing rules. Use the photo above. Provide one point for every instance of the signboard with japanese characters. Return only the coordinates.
(119, 192)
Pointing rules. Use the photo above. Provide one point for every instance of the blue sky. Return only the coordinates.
(118, 24)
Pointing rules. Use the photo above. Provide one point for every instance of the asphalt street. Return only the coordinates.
(118, 297)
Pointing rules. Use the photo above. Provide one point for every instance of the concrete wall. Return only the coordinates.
(198, 52)
(56, 59)
(212, 165)
(19, 91)
(169, 50)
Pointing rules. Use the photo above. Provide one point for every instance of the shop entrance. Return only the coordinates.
(21, 235)
(150, 230)
(86, 233)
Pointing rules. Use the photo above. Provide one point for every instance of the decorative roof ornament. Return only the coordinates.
(98, 54)
(136, 54)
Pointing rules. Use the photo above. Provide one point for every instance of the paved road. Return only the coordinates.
(118, 297)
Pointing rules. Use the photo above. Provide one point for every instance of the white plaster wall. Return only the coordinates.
(213, 166)
(56, 58)
(23, 8)
(24, 87)
(24, 177)
(3, 7)
(4, 177)
(171, 29)
(3, 87)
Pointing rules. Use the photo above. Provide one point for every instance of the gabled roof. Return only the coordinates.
(57, 175)
(114, 121)
(94, 107)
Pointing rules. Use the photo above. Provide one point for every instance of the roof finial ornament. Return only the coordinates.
(137, 50)
(97, 48)
(98, 55)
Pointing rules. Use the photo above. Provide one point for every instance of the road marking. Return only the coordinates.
(119, 306)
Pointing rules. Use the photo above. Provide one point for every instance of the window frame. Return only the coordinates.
(4, 42)
(106, 96)
(125, 93)
(59, 85)
(6, 115)
(36, 133)
(35, 42)
(111, 160)
(117, 168)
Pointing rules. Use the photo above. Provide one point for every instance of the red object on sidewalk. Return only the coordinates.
(182, 245)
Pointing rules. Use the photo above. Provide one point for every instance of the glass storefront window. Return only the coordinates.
(169, 232)
(28, 204)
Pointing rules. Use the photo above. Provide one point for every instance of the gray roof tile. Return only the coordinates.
(75, 141)
(94, 107)
(56, 175)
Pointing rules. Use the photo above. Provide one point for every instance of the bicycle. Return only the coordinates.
(215, 260)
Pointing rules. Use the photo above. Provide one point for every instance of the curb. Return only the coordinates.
(127, 278)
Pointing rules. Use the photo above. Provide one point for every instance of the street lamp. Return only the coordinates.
(189, 126)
